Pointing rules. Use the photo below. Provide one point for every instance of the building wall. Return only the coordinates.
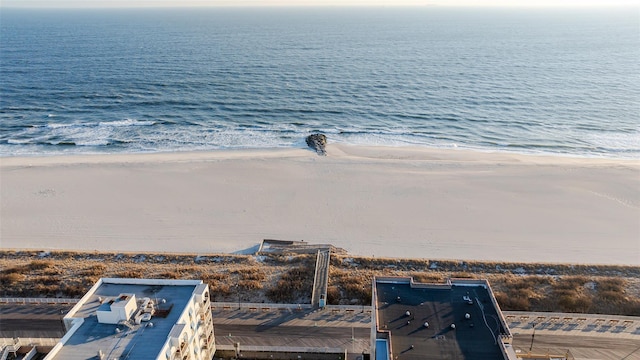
(192, 337)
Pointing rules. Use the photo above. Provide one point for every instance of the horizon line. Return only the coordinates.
(487, 6)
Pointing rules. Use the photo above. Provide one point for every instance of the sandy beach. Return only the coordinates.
(385, 202)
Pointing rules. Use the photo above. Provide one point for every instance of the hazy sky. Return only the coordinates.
(186, 3)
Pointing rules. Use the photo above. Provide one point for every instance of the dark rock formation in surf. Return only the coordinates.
(317, 142)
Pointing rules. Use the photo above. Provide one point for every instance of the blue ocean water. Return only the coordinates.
(564, 81)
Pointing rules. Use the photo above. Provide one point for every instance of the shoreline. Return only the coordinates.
(383, 201)
(339, 149)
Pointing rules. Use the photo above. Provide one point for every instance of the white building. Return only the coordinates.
(140, 319)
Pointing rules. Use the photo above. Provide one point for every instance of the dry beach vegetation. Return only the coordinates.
(288, 278)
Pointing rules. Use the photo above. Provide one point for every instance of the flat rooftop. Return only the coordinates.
(129, 341)
(440, 306)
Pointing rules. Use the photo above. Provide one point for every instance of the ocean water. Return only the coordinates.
(564, 81)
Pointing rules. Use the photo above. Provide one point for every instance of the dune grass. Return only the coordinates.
(288, 278)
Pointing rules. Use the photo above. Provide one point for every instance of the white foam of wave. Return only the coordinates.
(80, 134)
(127, 122)
(183, 139)
(92, 136)
(232, 136)
(116, 123)
(94, 142)
(19, 141)
(284, 136)
(57, 126)
(615, 141)
(398, 138)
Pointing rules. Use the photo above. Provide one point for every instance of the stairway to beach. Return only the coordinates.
(321, 278)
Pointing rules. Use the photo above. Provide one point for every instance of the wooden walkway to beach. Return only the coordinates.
(321, 279)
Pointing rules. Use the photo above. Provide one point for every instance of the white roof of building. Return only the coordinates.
(129, 341)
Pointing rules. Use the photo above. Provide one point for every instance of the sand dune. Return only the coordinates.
(386, 202)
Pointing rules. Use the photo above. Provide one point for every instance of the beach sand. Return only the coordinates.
(371, 201)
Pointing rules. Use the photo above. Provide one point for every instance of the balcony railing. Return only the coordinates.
(176, 355)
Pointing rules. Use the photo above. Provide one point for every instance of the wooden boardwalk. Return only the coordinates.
(321, 278)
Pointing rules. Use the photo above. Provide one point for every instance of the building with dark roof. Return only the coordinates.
(456, 320)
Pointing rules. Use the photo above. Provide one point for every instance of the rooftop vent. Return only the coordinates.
(117, 310)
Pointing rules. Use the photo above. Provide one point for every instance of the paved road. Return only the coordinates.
(595, 337)
(315, 328)
(586, 336)
(626, 327)
(296, 336)
(308, 318)
(581, 347)
(28, 320)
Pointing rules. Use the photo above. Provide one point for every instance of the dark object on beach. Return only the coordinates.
(317, 142)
